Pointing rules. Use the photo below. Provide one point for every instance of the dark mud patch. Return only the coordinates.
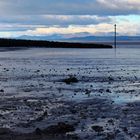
(94, 118)
(70, 80)
(6, 134)
(60, 128)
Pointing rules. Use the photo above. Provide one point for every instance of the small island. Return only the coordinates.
(49, 44)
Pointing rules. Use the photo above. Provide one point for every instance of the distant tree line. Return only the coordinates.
(49, 44)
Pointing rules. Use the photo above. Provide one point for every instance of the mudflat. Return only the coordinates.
(69, 94)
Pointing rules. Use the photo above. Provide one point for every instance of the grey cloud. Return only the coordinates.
(25, 15)
(55, 19)
(25, 22)
(70, 7)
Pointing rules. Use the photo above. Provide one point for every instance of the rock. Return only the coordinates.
(110, 136)
(108, 90)
(37, 71)
(97, 128)
(110, 79)
(117, 131)
(87, 92)
(125, 129)
(60, 128)
(70, 80)
(2, 90)
(111, 122)
(38, 131)
(101, 90)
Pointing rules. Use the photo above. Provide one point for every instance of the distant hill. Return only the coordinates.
(53, 37)
(105, 38)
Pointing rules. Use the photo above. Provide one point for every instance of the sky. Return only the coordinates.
(69, 17)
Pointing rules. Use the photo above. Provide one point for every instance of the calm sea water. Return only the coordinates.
(128, 52)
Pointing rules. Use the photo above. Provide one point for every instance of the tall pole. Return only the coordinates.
(115, 39)
(115, 36)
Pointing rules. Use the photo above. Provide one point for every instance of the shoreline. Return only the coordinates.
(49, 44)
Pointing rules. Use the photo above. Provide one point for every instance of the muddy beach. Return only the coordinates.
(69, 94)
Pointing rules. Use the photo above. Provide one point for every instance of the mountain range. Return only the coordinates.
(90, 38)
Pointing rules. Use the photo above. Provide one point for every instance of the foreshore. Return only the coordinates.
(68, 94)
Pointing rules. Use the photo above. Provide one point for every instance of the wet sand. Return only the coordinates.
(37, 101)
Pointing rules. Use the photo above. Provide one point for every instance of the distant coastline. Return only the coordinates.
(121, 42)
(50, 44)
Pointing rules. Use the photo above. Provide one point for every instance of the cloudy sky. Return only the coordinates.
(69, 17)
